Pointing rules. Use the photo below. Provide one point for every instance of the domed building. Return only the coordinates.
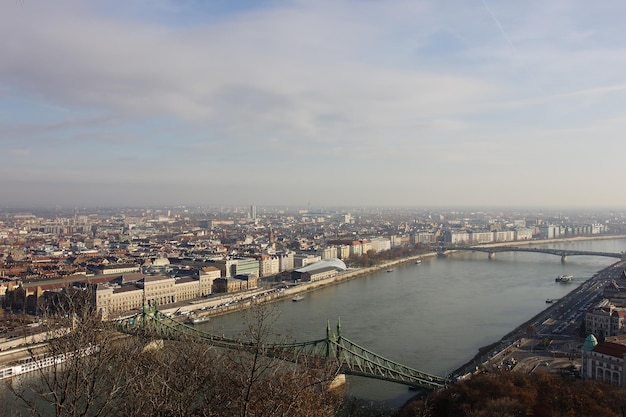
(326, 268)
(605, 361)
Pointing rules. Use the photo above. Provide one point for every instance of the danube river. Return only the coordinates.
(433, 316)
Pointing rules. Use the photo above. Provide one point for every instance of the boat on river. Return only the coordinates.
(198, 320)
(297, 297)
(563, 278)
(42, 361)
(419, 261)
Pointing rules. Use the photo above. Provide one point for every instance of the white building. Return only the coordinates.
(523, 233)
(503, 235)
(476, 238)
(455, 237)
(301, 260)
(380, 244)
(268, 265)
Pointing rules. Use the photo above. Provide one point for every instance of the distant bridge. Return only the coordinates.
(348, 357)
(563, 253)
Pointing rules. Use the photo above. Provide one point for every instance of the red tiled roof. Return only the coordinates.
(612, 349)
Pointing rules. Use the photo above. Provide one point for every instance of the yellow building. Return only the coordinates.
(113, 297)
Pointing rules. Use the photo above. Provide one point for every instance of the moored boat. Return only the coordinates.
(297, 297)
(198, 320)
(419, 261)
(42, 361)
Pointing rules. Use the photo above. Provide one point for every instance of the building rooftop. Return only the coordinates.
(616, 350)
(335, 263)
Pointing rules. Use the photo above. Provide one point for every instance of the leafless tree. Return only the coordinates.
(109, 374)
(82, 380)
(267, 386)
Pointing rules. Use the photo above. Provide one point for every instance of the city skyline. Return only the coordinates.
(325, 103)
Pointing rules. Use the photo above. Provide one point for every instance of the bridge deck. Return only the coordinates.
(348, 357)
(558, 252)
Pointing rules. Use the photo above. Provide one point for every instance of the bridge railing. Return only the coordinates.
(357, 360)
(347, 356)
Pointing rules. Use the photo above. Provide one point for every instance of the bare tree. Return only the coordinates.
(84, 354)
(105, 373)
(268, 386)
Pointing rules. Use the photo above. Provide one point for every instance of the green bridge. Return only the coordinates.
(335, 350)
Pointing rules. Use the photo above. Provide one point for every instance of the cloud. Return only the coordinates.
(326, 87)
(199, 74)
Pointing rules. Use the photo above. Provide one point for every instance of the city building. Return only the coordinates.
(604, 320)
(604, 361)
(480, 237)
(112, 269)
(239, 283)
(268, 265)
(303, 259)
(615, 292)
(127, 293)
(326, 268)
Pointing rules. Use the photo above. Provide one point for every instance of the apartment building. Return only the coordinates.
(605, 320)
(239, 283)
(268, 265)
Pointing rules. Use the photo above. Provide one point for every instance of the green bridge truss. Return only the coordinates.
(348, 357)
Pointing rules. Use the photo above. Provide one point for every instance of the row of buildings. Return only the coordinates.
(129, 287)
(131, 291)
(604, 349)
(466, 236)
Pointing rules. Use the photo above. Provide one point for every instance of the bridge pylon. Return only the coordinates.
(563, 259)
(492, 256)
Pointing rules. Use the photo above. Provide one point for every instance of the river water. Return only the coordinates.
(433, 316)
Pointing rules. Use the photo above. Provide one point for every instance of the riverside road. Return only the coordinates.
(561, 323)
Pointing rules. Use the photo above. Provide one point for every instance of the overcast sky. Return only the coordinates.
(339, 102)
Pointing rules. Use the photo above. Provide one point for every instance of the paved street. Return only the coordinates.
(555, 344)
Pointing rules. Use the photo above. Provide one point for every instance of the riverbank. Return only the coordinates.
(228, 303)
(519, 336)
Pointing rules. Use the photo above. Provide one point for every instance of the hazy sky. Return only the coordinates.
(339, 102)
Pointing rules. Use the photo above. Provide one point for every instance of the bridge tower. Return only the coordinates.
(331, 340)
(339, 382)
(492, 255)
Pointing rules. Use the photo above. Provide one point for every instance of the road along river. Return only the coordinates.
(433, 316)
